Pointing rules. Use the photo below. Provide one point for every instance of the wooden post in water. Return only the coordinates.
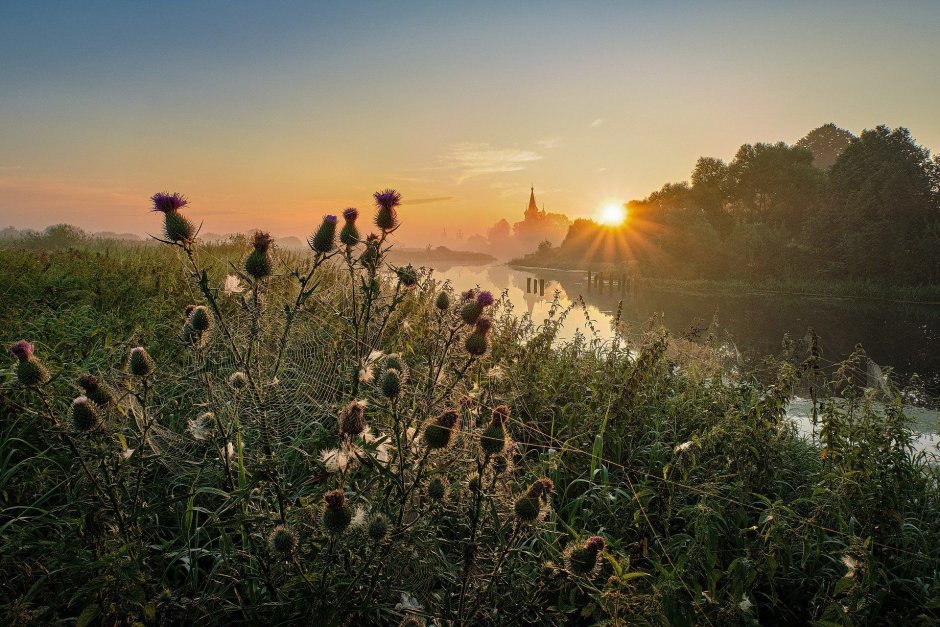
(528, 284)
(541, 287)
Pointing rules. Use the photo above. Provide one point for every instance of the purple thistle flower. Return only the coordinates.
(331, 219)
(485, 298)
(22, 350)
(350, 214)
(388, 199)
(165, 202)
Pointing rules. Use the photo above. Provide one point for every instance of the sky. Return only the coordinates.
(273, 114)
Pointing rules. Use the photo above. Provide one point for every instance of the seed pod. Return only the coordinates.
(352, 419)
(84, 415)
(443, 301)
(324, 240)
(337, 515)
(439, 434)
(283, 540)
(140, 363)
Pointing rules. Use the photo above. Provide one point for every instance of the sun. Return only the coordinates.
(612, 214)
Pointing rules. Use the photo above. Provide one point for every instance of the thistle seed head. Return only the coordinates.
(84, 415)
(283, 540)
(140, 364)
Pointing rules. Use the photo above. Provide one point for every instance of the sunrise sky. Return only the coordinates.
(272, 114)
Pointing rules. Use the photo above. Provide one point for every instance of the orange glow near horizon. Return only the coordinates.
(612, 213)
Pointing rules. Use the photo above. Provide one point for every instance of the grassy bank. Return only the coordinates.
(495, 475)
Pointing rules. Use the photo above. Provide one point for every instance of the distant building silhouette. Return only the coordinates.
(538, 225)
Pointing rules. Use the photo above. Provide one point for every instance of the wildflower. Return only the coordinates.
(336, 516)
(84, 415)
(378, 527)
(29, 370)
(97, 391)
(352, 419)
(387, 216)
(232, 285)
(493, 439)
(439, 434)
(485, 298)
(176, 228)
(349, 235)
(407, 275)
(140, 363)
(533, 505)
(437, 489)
(283, 540)
(201, 426)
(391, 383)
(476, 343)
(582, 560)
(324, 240)
(358, 520)
(443, 301)
(258, 263)
(366, 370)
(238, 380)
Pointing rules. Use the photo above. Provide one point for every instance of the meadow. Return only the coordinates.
(233, 433)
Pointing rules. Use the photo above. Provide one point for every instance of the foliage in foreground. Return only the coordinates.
(266, 437)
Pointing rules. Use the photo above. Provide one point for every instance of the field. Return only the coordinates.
(327, 438)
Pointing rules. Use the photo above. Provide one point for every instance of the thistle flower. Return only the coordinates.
(336, 516)
(407, 275)
(378, 527)
(232, 285)
(437, 489)
(533, 505)
(582, 560)
(352, 419)
(391, 383)
(84, 415)
(258, 263)
(97, 391)
(493, 439)
(471, 312)
(324, 240)
(439, 434)
(238, 380)
(387, 216)
(140, 363)
(165, 202)
(476, 343)
(485, 298)
(176, 228)
(283, 540)
(443, 301)
(371, 255)
(29, 370)
(358, 520)
(349, 234)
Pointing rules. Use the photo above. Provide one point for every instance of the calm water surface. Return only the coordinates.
(903, 337)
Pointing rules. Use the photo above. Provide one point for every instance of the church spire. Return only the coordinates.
(533, 208)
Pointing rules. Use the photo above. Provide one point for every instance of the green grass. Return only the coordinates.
(712, 509)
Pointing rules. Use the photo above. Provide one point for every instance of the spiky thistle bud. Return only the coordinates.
(440, 433)
(378, 527)
(443, 301)
(324, 240)
(283, 540)
(407, 275)
(582, 559)
(477, 343)
(98, 392)
(387, 217)
(140, 363)
(199, 318)
(29, 370)
(437, 489)
(352, 419)
(394, 361)
(493, 439)
(196, 329)
(258, 263)
(238, 380)
(176, 228)
(349, 235)
(337, 515)
(471, 312)
(371, 255)
(391, 383)
(534, 503)
(526, 509)
(84, 415)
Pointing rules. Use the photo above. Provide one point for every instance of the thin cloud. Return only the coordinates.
(426, 201)
(596, 123)
(550, 142)
(474, 159)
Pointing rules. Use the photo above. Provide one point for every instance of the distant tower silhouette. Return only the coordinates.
(532, 211)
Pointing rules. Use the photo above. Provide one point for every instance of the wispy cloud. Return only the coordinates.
(596, 123)
(474, 159)
(550, 142)
(426, 201)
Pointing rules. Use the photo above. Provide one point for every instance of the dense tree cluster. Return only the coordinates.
(832, 205)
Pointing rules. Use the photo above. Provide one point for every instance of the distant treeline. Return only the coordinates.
(831, 206)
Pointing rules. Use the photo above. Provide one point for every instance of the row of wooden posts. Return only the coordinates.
(595, 280)
(533, 285)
